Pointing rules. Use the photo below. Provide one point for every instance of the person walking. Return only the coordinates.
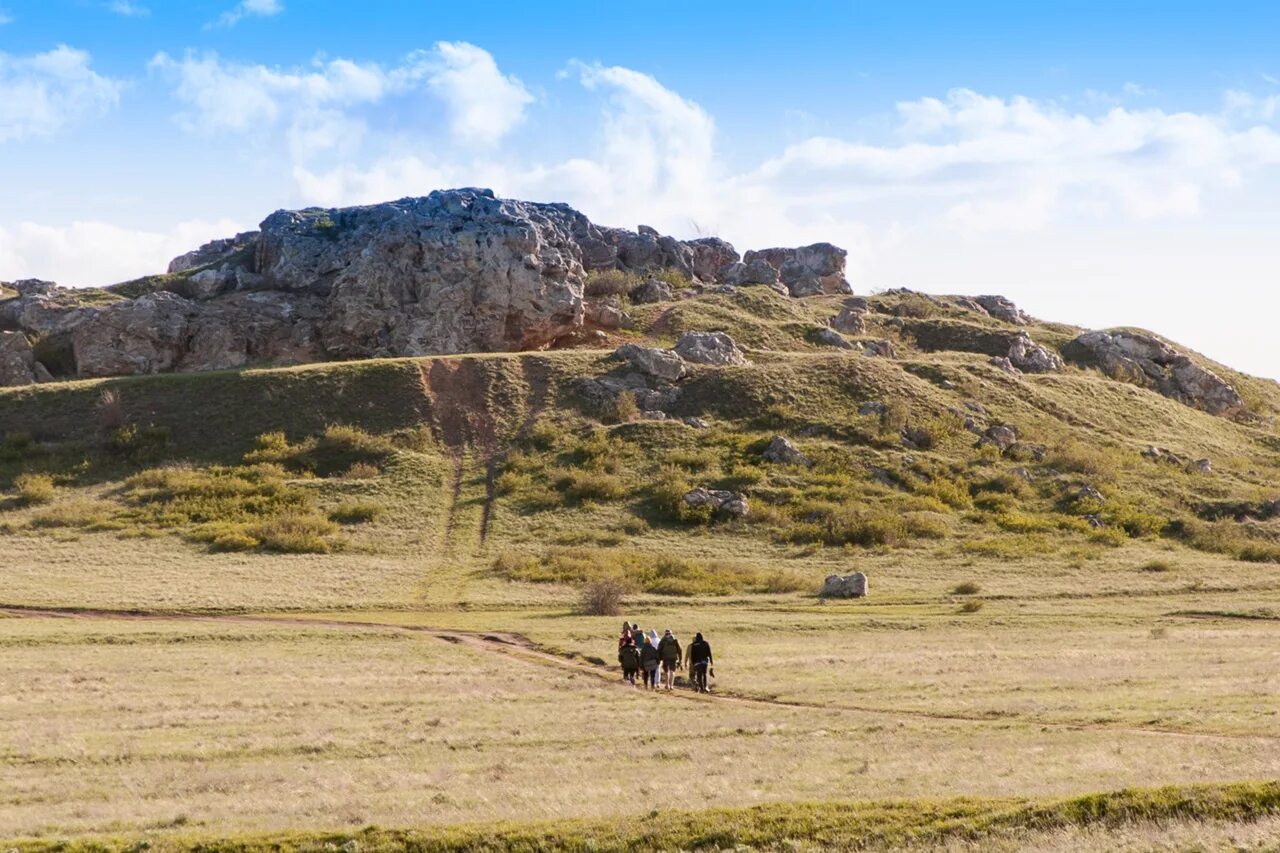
(671, 655)
(649, 662)
(629, 657)
(700, 663)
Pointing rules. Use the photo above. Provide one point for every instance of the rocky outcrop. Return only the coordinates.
(144, 335)
(454, 271)
(662, 364)
(1002, 309)
(650, 291)
(718, 502)
(807, 270)
(829, 337)
(1030, 357)
(709, 348)
(18, 365)
(783, 452)
(850, 320)
(1146, 361)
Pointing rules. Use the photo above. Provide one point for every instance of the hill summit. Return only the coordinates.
(464, 271)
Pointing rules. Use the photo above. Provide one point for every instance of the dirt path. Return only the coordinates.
(522, 648)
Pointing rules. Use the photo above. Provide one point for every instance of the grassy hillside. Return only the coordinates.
(364, 581)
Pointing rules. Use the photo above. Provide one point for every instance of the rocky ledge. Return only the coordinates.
(455, 271)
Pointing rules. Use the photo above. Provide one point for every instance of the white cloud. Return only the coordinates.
(247, 9)
(97, 253)
(44, 92)
(485, 104)
(311, 106)
(321, 108)
(5, 17)
(128, 9)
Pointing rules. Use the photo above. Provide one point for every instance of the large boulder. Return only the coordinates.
(755, 271)
(850, 320)
(1146, 361)
(144, 335)
(1030, 357)
(18, 365)
(718, 501)
(709, 348)
(807, 270)
(710, 255)
(783, 452)
(1002, 309)
(661, 364)
(845, 586)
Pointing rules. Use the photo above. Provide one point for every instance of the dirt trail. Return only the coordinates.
(522, 648)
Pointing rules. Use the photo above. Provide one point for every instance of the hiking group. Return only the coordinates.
(655, 658)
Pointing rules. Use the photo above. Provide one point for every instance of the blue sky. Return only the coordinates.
(1100, 165)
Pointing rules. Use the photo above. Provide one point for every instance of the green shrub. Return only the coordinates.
(1260, 552)
(296, 533)
(138, 444)
(34, 489)
(356, 512)
(603, 597)
(233, 540)
(625, 409)
(361, 471)
(1095, 463)
(589, 486)
(1004, 483)
(18, 447)
(81, 513)
(609, 283)
(336, 450)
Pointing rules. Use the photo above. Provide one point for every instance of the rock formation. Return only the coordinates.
(455, 271)
(1149, 362)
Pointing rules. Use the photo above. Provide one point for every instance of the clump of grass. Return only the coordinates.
(334, 451)
(609, 283)
(1260, 552)
(603, 597)
(34, 489)
(966, 588)
(138, 444)
(356, 512)
(1074, 457)
(971, 606)
(580, 486)
(625, 409)
(296, 533)
(18, 447)
(77, 513)
(361, 471)
(1156, 566)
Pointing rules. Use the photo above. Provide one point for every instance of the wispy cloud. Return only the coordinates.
(43, 92)
(5, 17)
(128, 9)
(247, 9)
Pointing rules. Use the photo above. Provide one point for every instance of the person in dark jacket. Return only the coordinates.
(629, 657)
(671, 655)
(649, 661)
(700, 663)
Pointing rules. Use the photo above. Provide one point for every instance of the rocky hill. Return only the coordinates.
(582, 384)
(464, 271)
